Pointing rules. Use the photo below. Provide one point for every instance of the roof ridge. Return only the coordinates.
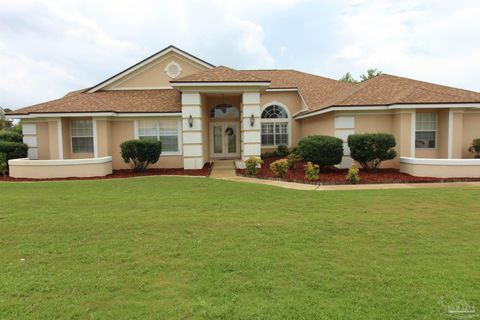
(429, 83)
(356, 88)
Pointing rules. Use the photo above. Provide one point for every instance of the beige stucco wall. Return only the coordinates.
(441, 148)
(153, 74)
(291, 101)
(122, 130)
(323, 124)
(470, 131)
(441, 171)
(35, 171)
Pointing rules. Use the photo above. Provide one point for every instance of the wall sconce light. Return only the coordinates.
(190, 121)
(252, 120)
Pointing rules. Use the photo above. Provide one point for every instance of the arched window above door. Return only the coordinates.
(224, 110)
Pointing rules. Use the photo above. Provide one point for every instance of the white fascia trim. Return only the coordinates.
(391, 107)
(281, 89)
(331, 109)
(60, 139)
(161, 53)
(220, 84)
(440, 162)
(141, 88)
(96, 114)
(64, 162)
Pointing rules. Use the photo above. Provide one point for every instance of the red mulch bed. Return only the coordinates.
(127, 173)
(334, 175)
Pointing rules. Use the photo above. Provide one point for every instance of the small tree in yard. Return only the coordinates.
(140, 153)
(321, 150)
(3, 164)
(371, 149)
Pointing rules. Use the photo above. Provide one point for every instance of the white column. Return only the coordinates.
(413, 128)
(192, 136)
(450, 134)
(251, 135)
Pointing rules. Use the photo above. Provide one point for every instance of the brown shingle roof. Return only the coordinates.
(386, 89)
(317, 91)
(221, 74)
(167, 100)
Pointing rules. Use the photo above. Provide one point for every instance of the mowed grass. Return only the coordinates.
(194, 248)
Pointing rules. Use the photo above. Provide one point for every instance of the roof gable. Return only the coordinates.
(152, 72)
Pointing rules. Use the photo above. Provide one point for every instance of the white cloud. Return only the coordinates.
(428, 40)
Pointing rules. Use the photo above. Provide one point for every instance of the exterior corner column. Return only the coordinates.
(455, 133)
(55, 138)
(251, 134)
(193, 157)
(413, 129)
(101, 138)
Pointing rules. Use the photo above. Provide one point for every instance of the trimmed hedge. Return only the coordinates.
(321, 150)
(13, 150)
(10, 136)
(140, 153)
(371, 149)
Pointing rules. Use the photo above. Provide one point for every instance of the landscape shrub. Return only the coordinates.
(3, 164)
(353, 174)
(475, 148)
(321, 150)
(10, 136)
(13, 150)
(312, 171)
(140, 153)
(281, 151)
(292, 159)
(371, 149)
(279, 167)
(252, 165)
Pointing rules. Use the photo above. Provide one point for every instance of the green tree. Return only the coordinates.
(371, 73)
(347, 77)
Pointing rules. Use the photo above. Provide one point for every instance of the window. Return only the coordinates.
(275, 126)
(224, 110)
(166, 131)
(82, 136)
(426, 130)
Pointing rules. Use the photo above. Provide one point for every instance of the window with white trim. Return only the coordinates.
(425, 130)
(82, 135)
(166, 130)
(274, 126)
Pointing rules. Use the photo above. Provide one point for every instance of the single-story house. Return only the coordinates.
(203, 112)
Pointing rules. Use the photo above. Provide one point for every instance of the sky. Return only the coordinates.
(49, 47)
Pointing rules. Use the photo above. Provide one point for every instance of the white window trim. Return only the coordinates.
(93, 137)
(436, 131)
(179, 135)
(288, 121)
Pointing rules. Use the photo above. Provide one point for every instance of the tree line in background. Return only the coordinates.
(371, 73)
(8, 125)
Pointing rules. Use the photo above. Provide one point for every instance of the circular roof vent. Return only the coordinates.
(173, 70)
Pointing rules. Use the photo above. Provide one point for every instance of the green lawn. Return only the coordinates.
(194, 248)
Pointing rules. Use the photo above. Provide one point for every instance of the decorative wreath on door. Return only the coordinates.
(229, 131)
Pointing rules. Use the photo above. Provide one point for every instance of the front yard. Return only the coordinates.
(195, 248)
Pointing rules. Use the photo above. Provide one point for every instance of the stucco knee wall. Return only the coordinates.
(49, 169)
(441, 168)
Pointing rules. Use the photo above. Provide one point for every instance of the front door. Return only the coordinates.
(224, 140)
